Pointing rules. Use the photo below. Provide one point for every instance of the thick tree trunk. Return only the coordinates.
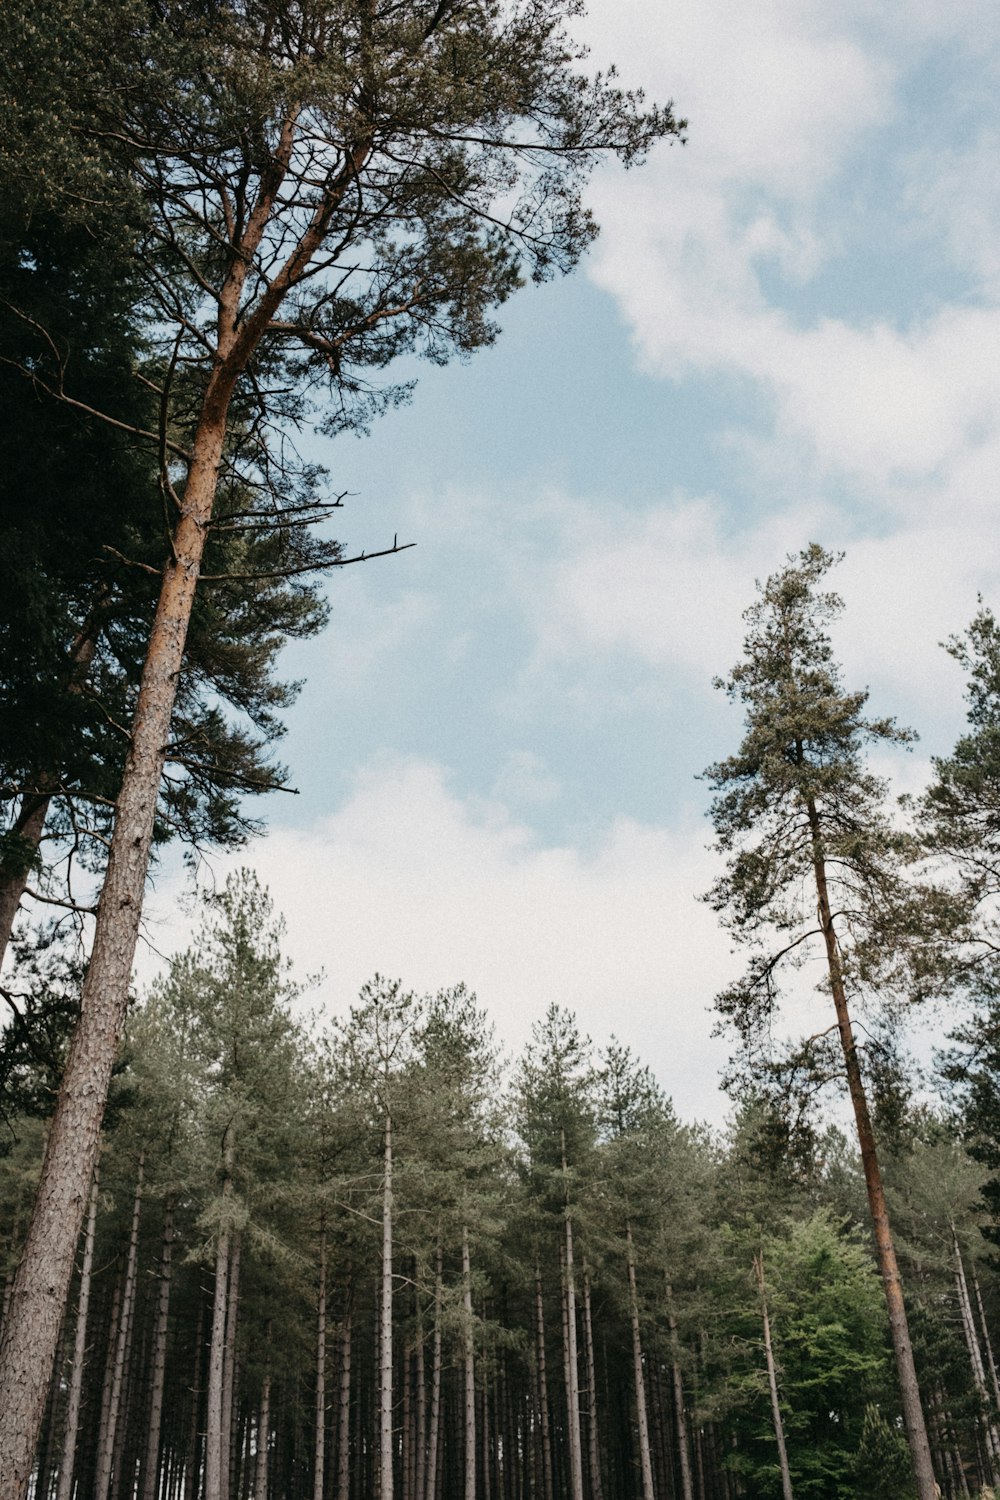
(642, 1415)
(683, 1445)
(385, 1326)
(151, 1472)
(319, 1450)
(105, 1456)
(72, 1423)
(772, 1382)
(344, 1410)
(913, 1416)
(43, 1277)
(469, 1372)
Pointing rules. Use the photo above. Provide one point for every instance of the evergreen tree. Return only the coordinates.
(814, 857)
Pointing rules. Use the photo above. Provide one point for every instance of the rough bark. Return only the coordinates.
(995, 1384)
(228, 1449)
(913, 1415)
(72, 1423)
(976, 1361)
(571, 1353)
(772, 1382)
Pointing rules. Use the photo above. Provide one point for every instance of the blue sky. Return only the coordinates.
(788, 331)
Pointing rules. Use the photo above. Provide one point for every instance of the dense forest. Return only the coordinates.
(320, 1252)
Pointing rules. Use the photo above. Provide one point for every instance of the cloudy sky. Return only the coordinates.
(788, 331)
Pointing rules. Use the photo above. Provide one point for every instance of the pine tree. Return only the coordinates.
(796, 811)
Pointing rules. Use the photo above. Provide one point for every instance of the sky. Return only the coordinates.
(788, 331)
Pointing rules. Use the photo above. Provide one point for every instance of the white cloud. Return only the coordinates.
(411, 880)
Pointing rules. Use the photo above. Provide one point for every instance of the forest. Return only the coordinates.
(252, 1250)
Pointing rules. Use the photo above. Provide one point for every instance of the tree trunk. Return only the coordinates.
(571, 1359)
(986, 1340)
(193, 1466)
(683, 1446)
(976, 1361)
(214, 1424)
(772, 1381)
(913, 1416)
(469, 1369)
(263, 1437)
(435, 1422)
(72, 1423)
(105, 1455)
(228, 1454)
(593, 1435)
(548, 1490)
(319, 1453)
(420, 1418)
(642, 1415)
(150, 1487)
(385, 1326)
(344, 1410)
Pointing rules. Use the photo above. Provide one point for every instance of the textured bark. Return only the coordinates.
(571, 1358)
(385, 1324)
(683, 1444)
(193, 1467)
(344, 1411)
(772, 1382)
(152, 1459)
(72, 1423)
(986, 1340)
(420, 1416)
(642, 1416)
(319, 1453)
(102, 1480)
(913, 1416)
(469, 1372)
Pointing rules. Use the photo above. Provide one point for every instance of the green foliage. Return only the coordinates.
(883, 1462)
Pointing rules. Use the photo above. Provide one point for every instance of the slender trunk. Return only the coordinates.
(469, 1371)
(548, 1490)
(986, 1340)
(150, 1486)
(642, 1415)
(976, 1360)
(679, 1411)
(772, 1381)
(344, 1411)
(214, 1425)
(571, 1356)
(72, 1423)
(193, 1466)
(228, 1452)
(320, 1445)
(420, 1463)
(263, 1436)
(385, 1326)
(913, 1416)
(435, 1423)
(105, 1455)
(593, 1436)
